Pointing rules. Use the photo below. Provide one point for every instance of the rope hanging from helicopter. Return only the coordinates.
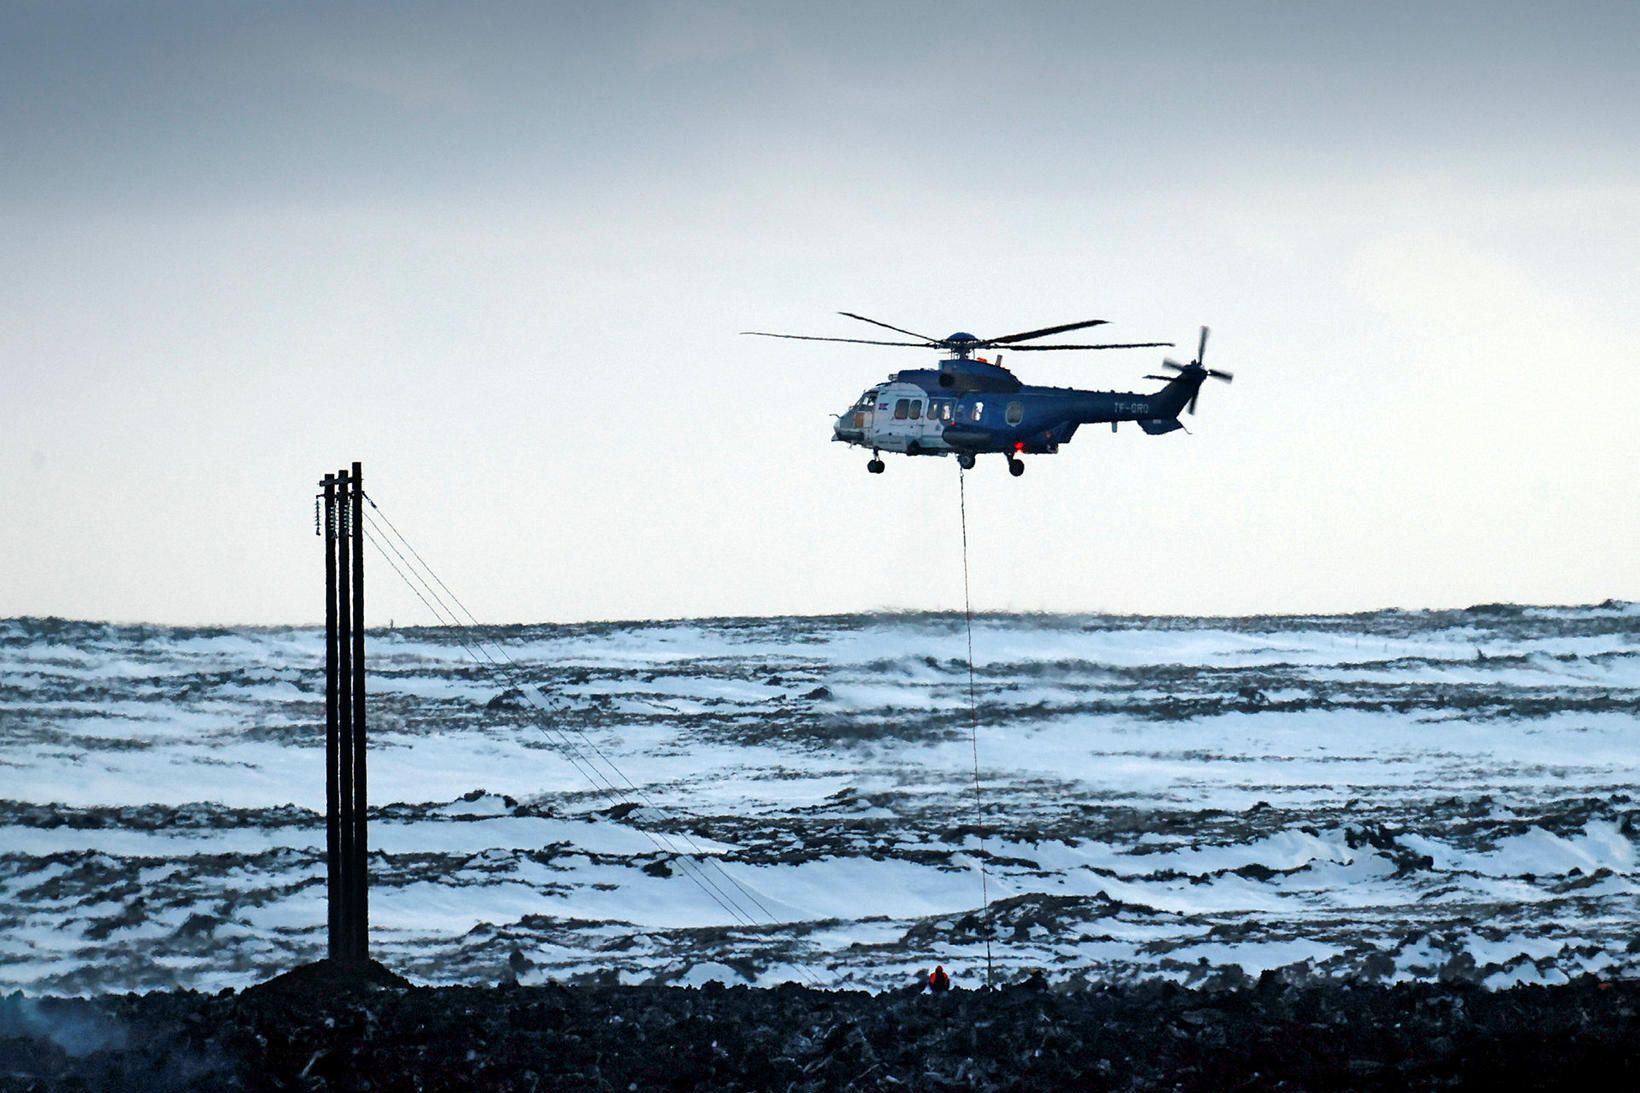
(614, 787)
(973, 725)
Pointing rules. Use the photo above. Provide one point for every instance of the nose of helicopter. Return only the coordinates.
(843, 427)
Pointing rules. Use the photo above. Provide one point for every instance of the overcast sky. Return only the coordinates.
(501, 254)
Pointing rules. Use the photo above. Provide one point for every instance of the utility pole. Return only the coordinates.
(346, 796)
(333, 743)
(359, 900)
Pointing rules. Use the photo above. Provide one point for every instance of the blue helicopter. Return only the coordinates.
(969, 406)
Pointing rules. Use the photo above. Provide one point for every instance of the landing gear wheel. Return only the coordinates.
(875, 466)
(1016, 467)
(965, 460)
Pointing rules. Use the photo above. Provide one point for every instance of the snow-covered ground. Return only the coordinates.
(1393, 795)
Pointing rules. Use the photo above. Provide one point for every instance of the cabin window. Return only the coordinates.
(902, 409)
(979, 410)
(939, 410)
(916, 409)
(1016, 413)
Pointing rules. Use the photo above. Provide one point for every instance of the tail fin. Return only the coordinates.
(1166, 403)
(1178, 393)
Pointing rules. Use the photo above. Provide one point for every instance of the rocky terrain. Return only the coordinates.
(1387, 798)
(313, 1030)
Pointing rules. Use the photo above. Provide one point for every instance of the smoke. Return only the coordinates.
(73, 1025)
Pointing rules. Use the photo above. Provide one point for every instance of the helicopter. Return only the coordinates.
(970, 406)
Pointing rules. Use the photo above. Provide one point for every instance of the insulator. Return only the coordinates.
(317, 527)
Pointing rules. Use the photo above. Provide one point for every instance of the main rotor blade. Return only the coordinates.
(1113, 345)
(1225, 376)
(1009, 339)
(1173, 364)
(1201, 349)
(885, 326)
(1193, 398)
(856, 341)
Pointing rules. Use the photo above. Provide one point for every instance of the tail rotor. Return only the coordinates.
(1196, 365)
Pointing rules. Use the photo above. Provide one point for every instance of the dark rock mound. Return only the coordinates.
(327, 978)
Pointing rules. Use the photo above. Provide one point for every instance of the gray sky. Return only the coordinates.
(518, 242)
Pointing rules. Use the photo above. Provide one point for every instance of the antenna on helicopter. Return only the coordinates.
(1201, 351)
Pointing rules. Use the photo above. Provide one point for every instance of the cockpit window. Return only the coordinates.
(867, 400)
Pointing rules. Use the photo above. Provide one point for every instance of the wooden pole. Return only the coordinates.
(360, 901)
(333, 861)
(344, 717)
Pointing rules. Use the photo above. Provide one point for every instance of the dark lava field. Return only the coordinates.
(312, 1030)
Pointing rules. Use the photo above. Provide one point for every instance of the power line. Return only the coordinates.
(568, 751)
(603, 785)
(586, 740)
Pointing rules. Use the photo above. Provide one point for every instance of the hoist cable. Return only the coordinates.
(973, 722)
(601, 783)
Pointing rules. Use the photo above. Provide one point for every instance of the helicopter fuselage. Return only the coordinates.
(969, 407)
